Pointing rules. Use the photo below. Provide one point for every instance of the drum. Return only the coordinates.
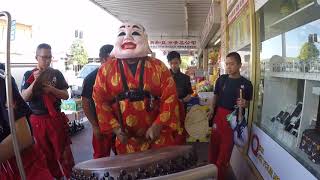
(196, 122)
(141, 165)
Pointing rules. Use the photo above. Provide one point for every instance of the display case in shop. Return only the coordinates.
(289, 90)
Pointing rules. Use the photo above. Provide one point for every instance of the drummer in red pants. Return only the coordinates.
(226, 97)
(48, 123)
(34, 163)
(101, 143)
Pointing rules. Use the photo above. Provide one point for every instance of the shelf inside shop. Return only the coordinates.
(295, 75)
(295, 19)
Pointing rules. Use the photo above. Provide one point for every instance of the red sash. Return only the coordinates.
(48, 99)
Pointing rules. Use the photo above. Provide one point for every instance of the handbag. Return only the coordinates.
(239, 126)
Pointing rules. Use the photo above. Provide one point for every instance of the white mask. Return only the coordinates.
(132, 42)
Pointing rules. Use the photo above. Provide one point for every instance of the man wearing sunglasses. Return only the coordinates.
(48, 123)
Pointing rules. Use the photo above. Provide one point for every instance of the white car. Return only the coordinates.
(76, 84)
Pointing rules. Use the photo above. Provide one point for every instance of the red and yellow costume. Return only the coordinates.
(136, 117)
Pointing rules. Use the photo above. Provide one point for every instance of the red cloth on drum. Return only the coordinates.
(34, 164)
(51, 133)
(221, 142)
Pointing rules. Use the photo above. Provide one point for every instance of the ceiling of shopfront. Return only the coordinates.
(167, 19)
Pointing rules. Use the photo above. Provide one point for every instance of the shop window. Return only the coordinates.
(289, 90)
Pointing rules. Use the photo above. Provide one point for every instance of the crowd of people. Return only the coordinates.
(133, 102)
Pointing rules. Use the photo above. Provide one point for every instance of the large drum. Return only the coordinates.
(151, 163)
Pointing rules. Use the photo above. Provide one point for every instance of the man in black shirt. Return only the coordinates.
(182, 81)
(183, 86)
(226, 97)
(101, 143)
(33, 159)
(49, 124)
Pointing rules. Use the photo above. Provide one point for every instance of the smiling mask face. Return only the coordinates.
(132, 42)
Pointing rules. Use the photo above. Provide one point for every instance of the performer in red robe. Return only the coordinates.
(135, 95)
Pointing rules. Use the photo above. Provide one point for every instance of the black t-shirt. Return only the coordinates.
(36, 103)
(87, 88)
(183, 84)
(228, 91)
(21, 108)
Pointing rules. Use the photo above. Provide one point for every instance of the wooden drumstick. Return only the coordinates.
(240, 108)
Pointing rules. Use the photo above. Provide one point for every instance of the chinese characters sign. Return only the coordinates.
(234, 13)
(173, 44)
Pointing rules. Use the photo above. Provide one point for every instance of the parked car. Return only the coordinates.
(76, 84)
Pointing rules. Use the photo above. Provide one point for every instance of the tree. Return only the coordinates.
(78, 52)
(308, 51)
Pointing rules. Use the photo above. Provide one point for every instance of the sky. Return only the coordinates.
(54, 22)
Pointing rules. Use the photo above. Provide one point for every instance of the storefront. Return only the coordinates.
(278, 43)
(214, 57)
(286, 144)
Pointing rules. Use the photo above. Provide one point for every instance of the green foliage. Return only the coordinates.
(308, 51)
(78, 52)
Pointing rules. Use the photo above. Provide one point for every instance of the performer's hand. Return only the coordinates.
(36, 74)
(122, 136)
(153, 132)
(48, 89)
(241, 103)
(97, 133)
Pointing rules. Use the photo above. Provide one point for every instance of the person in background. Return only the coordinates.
(226, 98)
(33, 159)
(101, 143)
(48, 123)
(184, 89)
(182, 80)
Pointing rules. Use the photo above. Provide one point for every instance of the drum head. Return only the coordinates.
(196, 122)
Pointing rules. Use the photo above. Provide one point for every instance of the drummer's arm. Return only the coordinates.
(101, 96)
(24, 138)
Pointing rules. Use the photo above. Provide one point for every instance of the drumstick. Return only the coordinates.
(240, 108)
(120, 118)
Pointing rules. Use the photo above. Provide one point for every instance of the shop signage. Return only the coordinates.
(234, 13)
(174, 44)
(272, 161)
(230, 4)
(259, 3)
(211, 25)
(239, 31)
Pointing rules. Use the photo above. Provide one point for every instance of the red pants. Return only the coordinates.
(34, 164)
(102, 147)
(221, 143)
(52, 136)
